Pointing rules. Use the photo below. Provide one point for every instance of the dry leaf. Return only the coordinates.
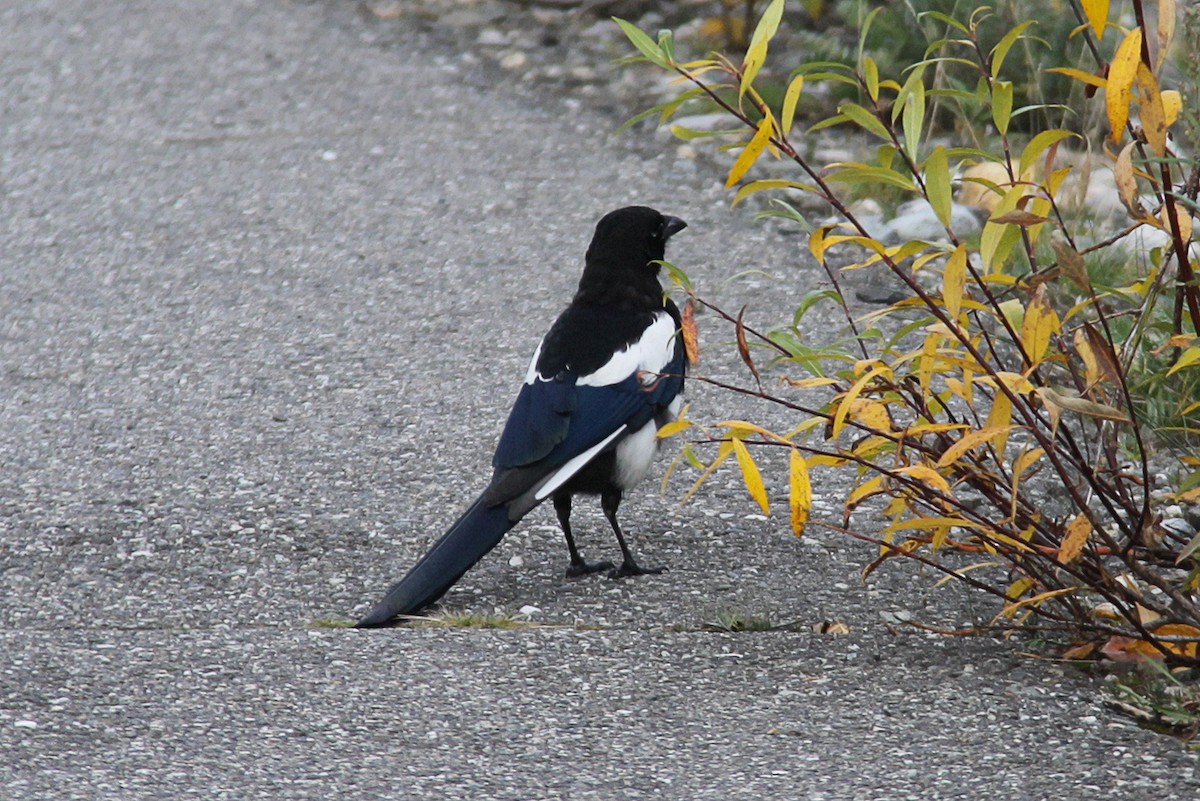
(691, 337)
(744, 347)
(1074, 539)
(1021, 218)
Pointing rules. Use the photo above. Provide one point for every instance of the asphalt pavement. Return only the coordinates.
(271, 273)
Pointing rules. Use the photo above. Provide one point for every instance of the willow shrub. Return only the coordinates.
(998, 415)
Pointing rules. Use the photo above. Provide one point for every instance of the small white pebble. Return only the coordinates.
(329, 155)
(514, 60)
(25, 724)
(516, 561)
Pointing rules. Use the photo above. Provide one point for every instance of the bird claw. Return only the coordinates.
(582, 568)
(633, 569)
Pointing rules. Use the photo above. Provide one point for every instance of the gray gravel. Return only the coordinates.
(271, 271)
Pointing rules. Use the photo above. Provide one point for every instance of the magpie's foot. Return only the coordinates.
(633, 569)
(582, 568)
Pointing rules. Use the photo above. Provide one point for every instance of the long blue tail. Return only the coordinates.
(479, 529)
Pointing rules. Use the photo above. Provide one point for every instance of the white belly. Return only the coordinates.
(635, 454)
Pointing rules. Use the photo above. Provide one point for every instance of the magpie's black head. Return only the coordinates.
(632, 237)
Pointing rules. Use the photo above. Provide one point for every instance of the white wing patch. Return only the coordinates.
(563, 474)
(652, 352)
(649, 354)
(532, 374)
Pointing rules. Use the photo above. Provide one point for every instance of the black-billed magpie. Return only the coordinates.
(606, 377)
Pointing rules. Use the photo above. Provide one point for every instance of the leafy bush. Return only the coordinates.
(1005, 412)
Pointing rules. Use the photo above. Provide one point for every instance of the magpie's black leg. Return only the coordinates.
(609, 501)
(578, 567)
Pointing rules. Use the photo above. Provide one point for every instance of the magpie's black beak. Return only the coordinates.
(672, 226)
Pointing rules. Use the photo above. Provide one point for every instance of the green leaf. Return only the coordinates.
(677, 275)
(873, 175)
(643, 43)
(865, 119)
(1000, 51)
(756, 53)
(666, 43)
(937, 184)
(913, 95)
(1038, 145)
(945, 19)
(688, 134)
(812, 298)
(871, 78)
(790, 99)
(1002, 100)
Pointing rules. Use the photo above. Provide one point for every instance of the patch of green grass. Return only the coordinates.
(467, 620)
(1159, 700)
(736, 620)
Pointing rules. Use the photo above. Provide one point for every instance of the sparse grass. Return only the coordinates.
(734, 621)
(1158, 700)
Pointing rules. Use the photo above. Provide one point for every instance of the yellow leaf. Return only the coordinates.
(750, 154)
(817, 244)
(932, 428)
(1154, 118)
(743, 425)
(1080, 75)
(1121, 74)
(1074, 539)
(1026, 460)
(808, 383)
(872, 414)
(1016, 383)
(750, 474)
(756, 53)
(999, 417)
(790, 99)
(1091, 365)
(928, 360)
(826, 460)
(864, 490)
(1033, 600)
(1126, 183)
(674, 427)
(1172, 104)
(969, 442)
(847, 401)
(723, 452)
(801, 495)
(1182, 215)
(927, 476)
(768, 183)
(1040, 324)
(1097, 14)
(1185, 649)
(1188, 358)
(954, 281)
